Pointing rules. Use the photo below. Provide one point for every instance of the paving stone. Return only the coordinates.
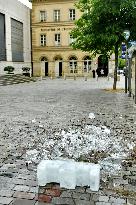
(80, 189)
(104, 198)
(44, 198)
(5, 200)
(23, 202)
(81, 196)
(6, 193)
(66, 194)
(18, 181)
(117, 200)
(40, 203)
(103, 203)
(24, 195)
(21, 188)
(95, 197)
(83, 202)
(62, 201)
(34, 190)
(31, 183)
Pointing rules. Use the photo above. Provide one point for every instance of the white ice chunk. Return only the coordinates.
(47, 171)
(83, 174)
(95, 178)
(69, 174)
(91, 116)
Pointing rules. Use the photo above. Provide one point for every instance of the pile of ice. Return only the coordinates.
(76, 142)
(69, 174)
(89, 143)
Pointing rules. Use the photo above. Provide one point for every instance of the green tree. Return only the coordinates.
(100, 28)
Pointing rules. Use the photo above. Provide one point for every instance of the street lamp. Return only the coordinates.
(126, 36)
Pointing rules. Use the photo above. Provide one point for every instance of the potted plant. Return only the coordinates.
(9, 69)
(26, 71)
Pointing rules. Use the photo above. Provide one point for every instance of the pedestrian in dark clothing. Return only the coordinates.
(93, 71)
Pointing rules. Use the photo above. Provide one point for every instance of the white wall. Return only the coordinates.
(18, 11)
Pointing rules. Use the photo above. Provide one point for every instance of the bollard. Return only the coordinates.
(64, 77)
(85, 78)
(97, 78)
(74, 77)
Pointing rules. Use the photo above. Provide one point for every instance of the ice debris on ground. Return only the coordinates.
(31, 155)
(91, 116)
(69, 174)
(81, 144)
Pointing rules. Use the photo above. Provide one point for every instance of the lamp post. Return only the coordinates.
(126, 36)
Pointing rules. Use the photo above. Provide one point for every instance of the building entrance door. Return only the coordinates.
(46, 68)
(60, 68)
(56, 68)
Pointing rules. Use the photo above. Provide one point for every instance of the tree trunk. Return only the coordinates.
(116, 67)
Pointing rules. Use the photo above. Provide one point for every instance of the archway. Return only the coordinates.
(102, 69)
(44, 60)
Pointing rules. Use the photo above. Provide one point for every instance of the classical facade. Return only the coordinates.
(15, 43)
(52, 22)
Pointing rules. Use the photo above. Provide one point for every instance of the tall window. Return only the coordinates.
(56, 15)
(73, 64)
(43, 16)
(43, 40)
(72, 14)
(71, 39)
(17, 41)
(57, 39)
(87, 64)
(2, 38)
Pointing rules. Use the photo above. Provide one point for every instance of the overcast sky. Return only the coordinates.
(26, 2)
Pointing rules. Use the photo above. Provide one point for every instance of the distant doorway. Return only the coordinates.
(58, 66)
(102, 69)
(46, 68)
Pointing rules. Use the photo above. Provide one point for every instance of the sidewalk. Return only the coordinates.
(33, 116)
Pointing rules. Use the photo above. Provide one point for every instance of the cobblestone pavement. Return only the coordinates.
(30, 110)
(11, 79)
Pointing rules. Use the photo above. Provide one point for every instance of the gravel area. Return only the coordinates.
(78, 119)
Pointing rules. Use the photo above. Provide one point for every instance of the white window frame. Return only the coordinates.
(72, 14)
(56, 15)
(73, 65)
(71, 40)
(43, 39)
(43, 16)
(57, 39)
(87, 65)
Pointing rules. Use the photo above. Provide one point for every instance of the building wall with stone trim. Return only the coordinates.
(52, 52)
(20, 13)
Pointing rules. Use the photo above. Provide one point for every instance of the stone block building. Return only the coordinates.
(52, 22)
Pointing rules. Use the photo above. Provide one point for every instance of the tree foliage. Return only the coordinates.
(100, 28)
